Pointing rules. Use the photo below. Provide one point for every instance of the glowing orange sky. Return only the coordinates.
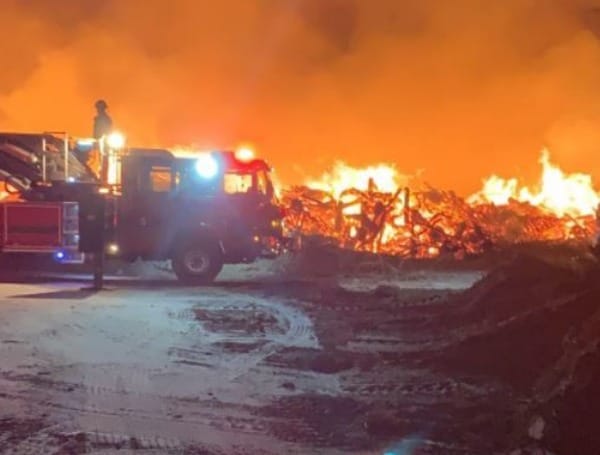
(460, 89)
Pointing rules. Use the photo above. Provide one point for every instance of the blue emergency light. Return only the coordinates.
(207, 166)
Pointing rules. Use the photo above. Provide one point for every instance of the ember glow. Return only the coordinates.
(376, 209)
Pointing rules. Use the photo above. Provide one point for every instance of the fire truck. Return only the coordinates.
(198, 210)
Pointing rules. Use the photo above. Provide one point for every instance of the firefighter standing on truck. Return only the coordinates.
(102, 121)
(102, 127)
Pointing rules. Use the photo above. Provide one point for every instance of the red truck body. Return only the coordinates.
(40, 227)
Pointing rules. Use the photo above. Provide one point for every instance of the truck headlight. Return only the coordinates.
(112, 248)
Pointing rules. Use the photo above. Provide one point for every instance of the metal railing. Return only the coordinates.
(45, 152)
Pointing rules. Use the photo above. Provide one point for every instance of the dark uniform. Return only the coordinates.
(102, 121)
(102, 127)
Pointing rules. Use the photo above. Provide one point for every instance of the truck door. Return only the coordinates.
(145, 212)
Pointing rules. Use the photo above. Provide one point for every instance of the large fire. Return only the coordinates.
(557, 192)
(343, 177)
(373, 209)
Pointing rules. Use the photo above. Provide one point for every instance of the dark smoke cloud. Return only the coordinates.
(459, 88)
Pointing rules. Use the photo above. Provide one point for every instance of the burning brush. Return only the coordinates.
(371, 210)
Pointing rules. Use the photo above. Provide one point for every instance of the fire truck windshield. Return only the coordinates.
(246, 182)
(230, 182)
(234, 183)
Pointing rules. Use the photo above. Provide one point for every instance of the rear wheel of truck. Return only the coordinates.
(198, 262)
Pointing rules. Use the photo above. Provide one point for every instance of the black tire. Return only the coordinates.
(197, 263)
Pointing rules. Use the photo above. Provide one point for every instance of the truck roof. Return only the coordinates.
(227, 158)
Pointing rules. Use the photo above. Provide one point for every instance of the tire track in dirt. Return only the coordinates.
(114, 403)
(187, 418)
(275, 325)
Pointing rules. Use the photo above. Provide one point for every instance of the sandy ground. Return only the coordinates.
(256, 364)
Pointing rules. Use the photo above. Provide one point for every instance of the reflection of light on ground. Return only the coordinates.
(407, 446)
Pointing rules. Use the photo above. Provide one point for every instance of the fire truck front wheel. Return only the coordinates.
(197, 263)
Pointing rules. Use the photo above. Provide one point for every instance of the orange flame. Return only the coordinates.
(381, 178)
(386, 178)
(562, 206)
(559, 193)
(5, 194)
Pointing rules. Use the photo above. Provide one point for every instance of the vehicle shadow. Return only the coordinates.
(65, 294)
(139, 283)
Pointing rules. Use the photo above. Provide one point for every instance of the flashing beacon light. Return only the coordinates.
(115, 140)
(59, 255)
(207, 166)
(86, 142)
(244, 154)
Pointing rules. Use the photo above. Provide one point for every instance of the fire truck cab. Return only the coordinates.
(198, 211)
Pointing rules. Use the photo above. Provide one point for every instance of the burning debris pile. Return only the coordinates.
(374, 210)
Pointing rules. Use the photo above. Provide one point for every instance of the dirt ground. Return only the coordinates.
(304, 357)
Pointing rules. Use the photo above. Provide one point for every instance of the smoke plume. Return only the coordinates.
(460, 89)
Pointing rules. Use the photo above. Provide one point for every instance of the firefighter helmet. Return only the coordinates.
(101, 104)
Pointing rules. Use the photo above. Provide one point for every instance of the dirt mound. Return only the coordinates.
(316, 258)
(517, 350)
(573, 415)
(534, 325)
(320, 257)
(519, 286)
